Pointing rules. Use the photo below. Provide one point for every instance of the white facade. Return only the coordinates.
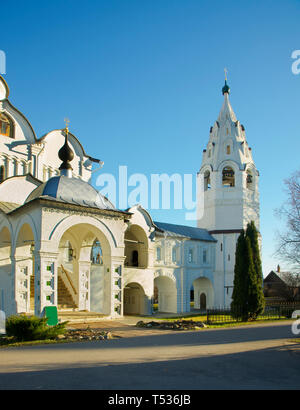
(64, 244)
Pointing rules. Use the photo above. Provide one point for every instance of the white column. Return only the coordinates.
(45, 281)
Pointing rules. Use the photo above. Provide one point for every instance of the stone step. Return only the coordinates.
(64, 298)
(81, 316)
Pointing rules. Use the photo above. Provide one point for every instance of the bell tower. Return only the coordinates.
(228, 197)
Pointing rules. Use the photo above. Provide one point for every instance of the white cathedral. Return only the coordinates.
(64, 244)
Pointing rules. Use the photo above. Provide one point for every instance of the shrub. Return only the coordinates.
(25, 328)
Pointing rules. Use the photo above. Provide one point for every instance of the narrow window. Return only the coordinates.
(228, 149)
(96, 253)
(207, 180)
(249, 180)
(191, 256)
(174, 254)
(204, 255)
(6, 126)
(158, 253)
(2, 173)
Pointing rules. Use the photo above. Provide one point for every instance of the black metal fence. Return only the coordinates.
(271, 312)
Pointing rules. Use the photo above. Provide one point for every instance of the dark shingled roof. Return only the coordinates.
(185, 231)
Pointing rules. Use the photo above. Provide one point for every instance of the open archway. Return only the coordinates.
(166, 294)
(83, 269)
(136, 247)
(135, 299)
(203, 293)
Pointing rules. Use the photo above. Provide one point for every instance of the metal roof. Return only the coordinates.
(7, 207)
(190, 232)
(72, 191)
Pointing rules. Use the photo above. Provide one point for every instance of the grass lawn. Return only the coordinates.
(9, 342)
(227, 320)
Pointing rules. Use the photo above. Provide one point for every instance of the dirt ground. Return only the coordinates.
(118, 328)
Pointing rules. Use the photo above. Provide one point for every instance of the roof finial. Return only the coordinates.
(67, 121)
(66, 154)
(226, 88)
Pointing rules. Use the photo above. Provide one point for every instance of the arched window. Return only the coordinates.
(6, 126)
(227, 149)
(206, 180)
(96, 253)
(228, 177)
(249, 180)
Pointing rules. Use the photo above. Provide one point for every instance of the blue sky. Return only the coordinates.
(140, 81)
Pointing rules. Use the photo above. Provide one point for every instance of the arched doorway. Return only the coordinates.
(84, 263)
(134, 299)
(203, 293)
(166, 294)
(202, 301)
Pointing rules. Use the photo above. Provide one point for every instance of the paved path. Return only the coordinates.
(251, 357)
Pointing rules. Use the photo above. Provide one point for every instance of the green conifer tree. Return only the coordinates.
(247, 296)
(257, 295)
(239, 307)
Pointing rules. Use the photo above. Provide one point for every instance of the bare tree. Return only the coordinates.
(292, 281)
(289, 241)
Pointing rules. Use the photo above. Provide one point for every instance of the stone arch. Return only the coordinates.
(229, 163)
(73, 220)
(136, 247)
(28, 220)
(87, 284)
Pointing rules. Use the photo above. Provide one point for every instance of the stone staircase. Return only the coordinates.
(81, 316)
(64, 298)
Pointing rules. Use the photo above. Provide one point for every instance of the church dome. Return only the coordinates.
(226, 88)
(72, 191)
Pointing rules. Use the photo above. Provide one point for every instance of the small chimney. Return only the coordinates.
(278, 268)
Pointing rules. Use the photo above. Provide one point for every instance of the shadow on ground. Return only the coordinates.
(273, 368)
